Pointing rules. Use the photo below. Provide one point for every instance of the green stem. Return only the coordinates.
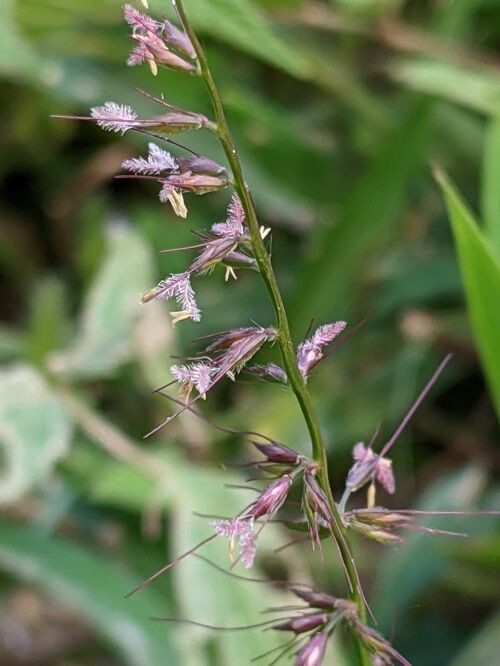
(259, 249)
(285, 342)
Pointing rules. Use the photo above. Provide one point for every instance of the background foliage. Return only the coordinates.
(340, 109)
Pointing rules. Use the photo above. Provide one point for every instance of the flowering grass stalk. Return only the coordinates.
(237, 243)
(285, 342)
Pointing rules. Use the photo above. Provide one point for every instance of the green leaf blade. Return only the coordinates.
(481, 277)
(482, 650)
(491, 180)
(94, 587)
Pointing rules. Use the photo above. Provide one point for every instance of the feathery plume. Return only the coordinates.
(194, 375)
(309, 352)
(157, 161)
(177, 286)
(114, 117)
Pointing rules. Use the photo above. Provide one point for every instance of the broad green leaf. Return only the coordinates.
(94, 586)
(481, 277)
(34, 430)
(111, 309)
(491, 180)
(484, 648)
(475, 88)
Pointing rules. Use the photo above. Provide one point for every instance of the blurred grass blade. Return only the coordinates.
(34, 430)
(477, 88)
(482, 650)
(111, 308)
(368, 217)
(47, 323)
(92, 586)
(240, 23)
(17, 58)
(408, 571)
(455, 19)
(481, 277)
(491, 180)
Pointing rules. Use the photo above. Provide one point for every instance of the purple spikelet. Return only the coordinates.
(157, 161)
(368, 465)
(114, 117)
(312, 653)
(138, 21)
(235, 221)
(241, 528)
(177, 286)
(194, 375)
(309, 352)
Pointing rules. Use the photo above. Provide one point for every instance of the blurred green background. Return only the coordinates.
(340, 110)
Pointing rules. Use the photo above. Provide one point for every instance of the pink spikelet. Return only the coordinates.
(385, 475)
(242, 532)
(241, 527)
(114, 117)
(312, 653)
(195, 375)
(138, 55)
(154, 42)
(248, 549)
(157, 161)
(328, 332)
(359, 452)
(138, 21)
(234, 224)
(178, 39)
(309, 352)
(368, 466)
(177, 286)
(185, 296)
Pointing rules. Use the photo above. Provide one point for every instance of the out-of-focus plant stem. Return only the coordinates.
(284, 336)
